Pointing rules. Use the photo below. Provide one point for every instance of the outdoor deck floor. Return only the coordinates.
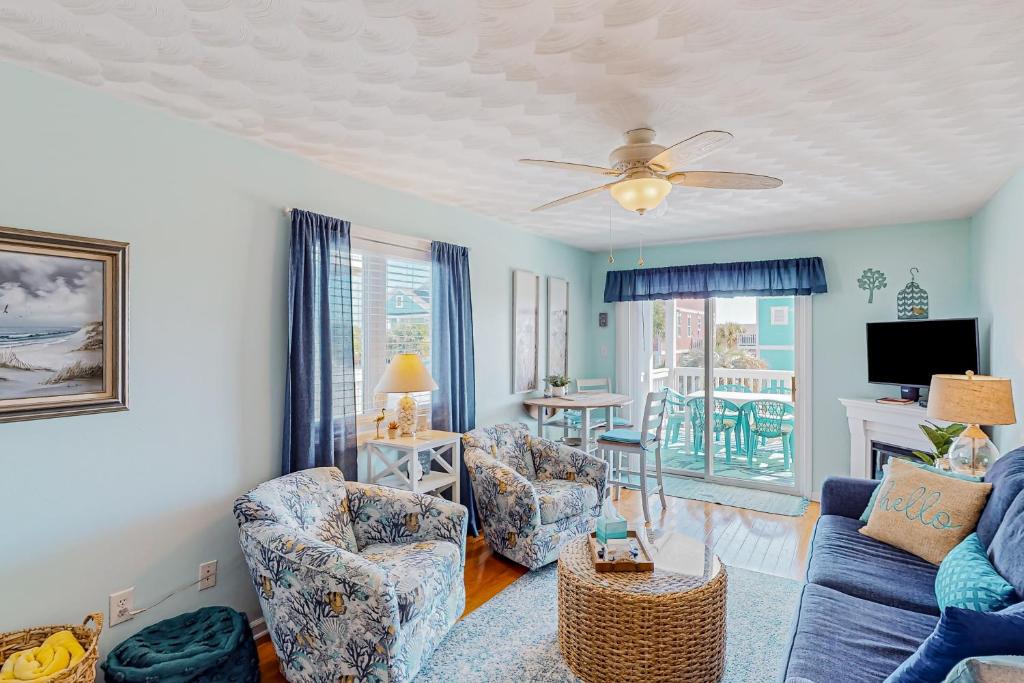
(767, 465)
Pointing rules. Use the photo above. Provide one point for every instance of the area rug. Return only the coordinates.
(513, 636)
(736, 496)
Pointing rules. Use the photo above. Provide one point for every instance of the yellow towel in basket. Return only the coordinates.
(46, 662)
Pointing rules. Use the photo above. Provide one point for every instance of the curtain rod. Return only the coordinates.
(288, 212)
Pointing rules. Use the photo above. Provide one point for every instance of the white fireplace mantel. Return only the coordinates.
(898, 425)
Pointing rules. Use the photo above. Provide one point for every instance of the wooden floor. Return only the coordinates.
(772, 544)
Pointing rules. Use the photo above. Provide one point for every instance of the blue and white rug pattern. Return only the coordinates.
(513, 636)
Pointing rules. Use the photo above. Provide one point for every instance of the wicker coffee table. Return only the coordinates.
(666, 625)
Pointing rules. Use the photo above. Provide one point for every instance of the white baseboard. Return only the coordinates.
(259, 627)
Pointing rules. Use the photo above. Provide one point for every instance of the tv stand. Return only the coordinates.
(912, 394)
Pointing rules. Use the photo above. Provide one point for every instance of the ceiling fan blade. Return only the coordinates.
(569, 166)
(723, 180)
(690, 149)
(573, 197)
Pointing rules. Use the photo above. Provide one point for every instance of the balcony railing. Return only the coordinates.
(687, 380)
(660, 379)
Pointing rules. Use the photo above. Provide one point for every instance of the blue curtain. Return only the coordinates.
(783, 277)
(453, 405)
(319, 418)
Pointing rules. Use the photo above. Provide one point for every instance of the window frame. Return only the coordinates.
(383, 245)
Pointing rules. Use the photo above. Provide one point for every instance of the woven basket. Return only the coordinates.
(85, 670)
(639, 627)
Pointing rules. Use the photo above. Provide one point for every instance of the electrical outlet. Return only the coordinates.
(121, 605)
(207, 575)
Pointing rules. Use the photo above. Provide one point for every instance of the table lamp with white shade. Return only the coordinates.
(404, 375)
(973, 400)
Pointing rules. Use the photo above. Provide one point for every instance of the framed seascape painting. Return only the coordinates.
(63, 325)
(558, 326)
(525, 331)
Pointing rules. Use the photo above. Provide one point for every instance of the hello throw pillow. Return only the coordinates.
(925, 513)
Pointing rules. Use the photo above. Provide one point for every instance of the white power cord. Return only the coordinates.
(136, 612)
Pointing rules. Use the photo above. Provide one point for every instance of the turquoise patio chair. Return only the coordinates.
(776, 389)
(734, 387)
(767, 419)
(675, 412)
(725, 419)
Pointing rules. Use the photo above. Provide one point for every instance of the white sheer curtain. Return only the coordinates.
(633, 356)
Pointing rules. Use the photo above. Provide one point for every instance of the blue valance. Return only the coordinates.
(781, 277)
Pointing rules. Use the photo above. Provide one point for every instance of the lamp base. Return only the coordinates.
(973, 452)
(407, 415)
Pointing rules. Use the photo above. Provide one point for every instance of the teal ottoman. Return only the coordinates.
(213, 645)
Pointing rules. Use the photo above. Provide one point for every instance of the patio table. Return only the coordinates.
(741, 397)
(736, 397)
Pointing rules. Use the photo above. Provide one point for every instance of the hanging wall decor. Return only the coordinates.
(558, 326)
(63, 325)
(912, 300)
(870, 280)
(525, 331)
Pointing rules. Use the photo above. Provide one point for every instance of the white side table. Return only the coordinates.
(386, 459)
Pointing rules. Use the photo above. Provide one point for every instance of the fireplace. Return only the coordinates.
(894, 430)
(882, 453)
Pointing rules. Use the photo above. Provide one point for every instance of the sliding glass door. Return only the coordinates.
(754, 421)
(747, 429)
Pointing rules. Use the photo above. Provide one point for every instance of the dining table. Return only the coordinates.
(741, 397)
(583, 401)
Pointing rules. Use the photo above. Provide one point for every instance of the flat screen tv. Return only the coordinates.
(908, 352)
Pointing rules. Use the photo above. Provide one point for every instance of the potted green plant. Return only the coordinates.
(941, 439)
(558, 384)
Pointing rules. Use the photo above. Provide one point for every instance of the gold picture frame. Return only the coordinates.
(63, 325)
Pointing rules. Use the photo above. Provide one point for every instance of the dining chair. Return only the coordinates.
(616, 443)
(768, 420)
(775, 389)
(597, 385)
(675, 416)
(724, 416)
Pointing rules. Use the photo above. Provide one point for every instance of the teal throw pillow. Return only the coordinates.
(947, 473)
(967, 579)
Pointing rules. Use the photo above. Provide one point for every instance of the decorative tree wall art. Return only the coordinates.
(912, 300)
(870, 280)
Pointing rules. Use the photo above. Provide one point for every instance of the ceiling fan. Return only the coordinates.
(646, 170)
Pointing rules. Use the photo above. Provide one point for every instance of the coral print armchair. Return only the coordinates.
(357, 582)
(533, 495)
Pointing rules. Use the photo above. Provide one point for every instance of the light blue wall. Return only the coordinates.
(775, 335)
(997, 247)
(839, 359)
(778, 359)
(95, 504)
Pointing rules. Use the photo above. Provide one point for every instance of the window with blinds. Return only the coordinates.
(390, 315)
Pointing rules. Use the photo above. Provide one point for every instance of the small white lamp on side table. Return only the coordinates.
(404, 375)
(974, 400)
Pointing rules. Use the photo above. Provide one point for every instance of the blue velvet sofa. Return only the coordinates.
(867, 606)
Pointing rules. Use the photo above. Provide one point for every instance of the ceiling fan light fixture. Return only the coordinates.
(640, 194)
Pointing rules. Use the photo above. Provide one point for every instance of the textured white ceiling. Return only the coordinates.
(872, 111)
